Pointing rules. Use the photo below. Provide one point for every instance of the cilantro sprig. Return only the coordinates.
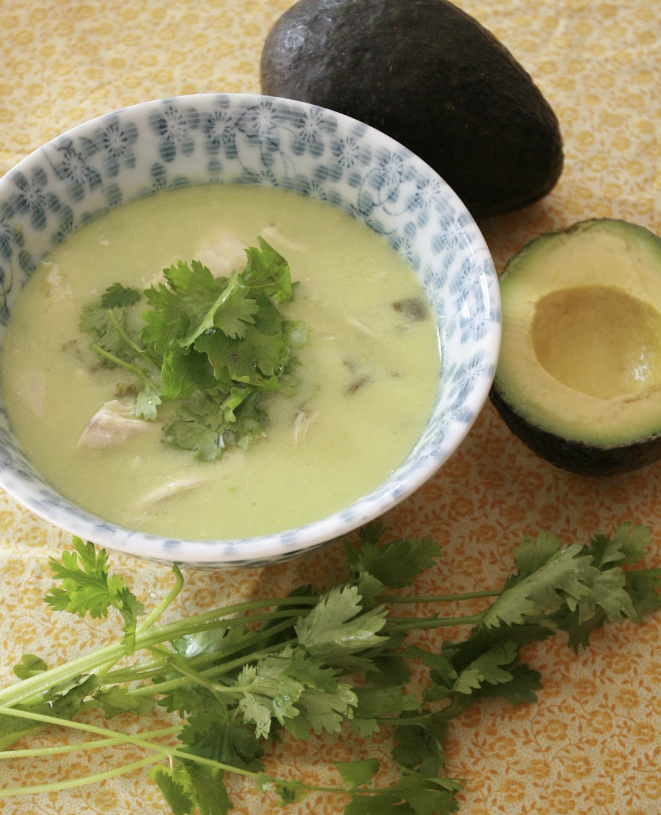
(309, 663)
(214, 347)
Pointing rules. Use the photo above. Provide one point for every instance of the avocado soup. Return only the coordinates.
(369, 371)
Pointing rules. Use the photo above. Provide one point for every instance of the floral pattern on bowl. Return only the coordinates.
(250, 139)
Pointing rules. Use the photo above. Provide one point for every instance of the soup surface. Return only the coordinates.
(369, 371)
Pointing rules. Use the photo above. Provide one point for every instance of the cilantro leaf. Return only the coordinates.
(117, 700)
(209, 734)
(629, 544)
(13, 728)
(387, 669)
(358, 773)
(371, 533)
(519, 689)
(118, 296)
(645, 593)
(571, 584)
(443, 673)
(324, 712)
(420, 745)
(279, 637)
(210, 791)
(255, 707)
(257, 356)
(211, 644)
(428, 796)
(147, 401)
(29, 665)
(608, 592)
(199, 428)
(107, 321)
(267, 272)
(549, 577)
(364, 727)
(88, 588)
(177, 787)
(252, 423)
(397, 563)
(176, 308)
(296, 691)
(268, 691)
(184, 699)
(413, 794)
(375, 702)
(489, 667)
(336, 628)
(311, 673)
(184, 372)
(106, 326)
(237, 312)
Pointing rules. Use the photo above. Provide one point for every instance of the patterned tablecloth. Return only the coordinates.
(591, 743)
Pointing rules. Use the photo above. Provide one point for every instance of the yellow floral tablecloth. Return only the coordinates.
(592, 743)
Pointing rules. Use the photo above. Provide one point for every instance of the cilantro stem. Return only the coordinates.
(115, 738)
(162, 752)
(71, 783)
(210, 673)
(165, 603)
(418, 624)
(88, 728)
(122, 363)
(127, 339)
(216, 689)
(96, 744)
(186, 625)
(28, 689)
(154, 667)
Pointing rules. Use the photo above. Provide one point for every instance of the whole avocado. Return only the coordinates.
(431, 77)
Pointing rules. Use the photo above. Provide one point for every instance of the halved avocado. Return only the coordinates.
(579, 374)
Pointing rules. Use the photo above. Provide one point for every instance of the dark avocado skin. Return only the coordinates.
(430, 76)
(575, 456)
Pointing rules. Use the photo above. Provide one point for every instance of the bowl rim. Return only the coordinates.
(272, 547)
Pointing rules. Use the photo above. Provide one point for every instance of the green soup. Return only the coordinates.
(370, 370)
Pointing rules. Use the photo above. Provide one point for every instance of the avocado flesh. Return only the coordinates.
(430, 76)
(579, 374)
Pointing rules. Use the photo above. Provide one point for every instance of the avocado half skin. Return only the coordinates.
(430, 76)
(575, 456)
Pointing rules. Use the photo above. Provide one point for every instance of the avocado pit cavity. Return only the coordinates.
(598, 340)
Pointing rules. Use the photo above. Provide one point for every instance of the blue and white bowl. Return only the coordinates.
(249, 139)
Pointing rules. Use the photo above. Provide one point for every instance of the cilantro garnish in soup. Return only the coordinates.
(216, 346)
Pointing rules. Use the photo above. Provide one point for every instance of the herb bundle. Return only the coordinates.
(310, 663)
(216, 347)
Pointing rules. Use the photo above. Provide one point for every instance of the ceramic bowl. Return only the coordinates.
(250, 139)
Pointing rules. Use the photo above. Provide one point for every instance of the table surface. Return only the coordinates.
(591, 743)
